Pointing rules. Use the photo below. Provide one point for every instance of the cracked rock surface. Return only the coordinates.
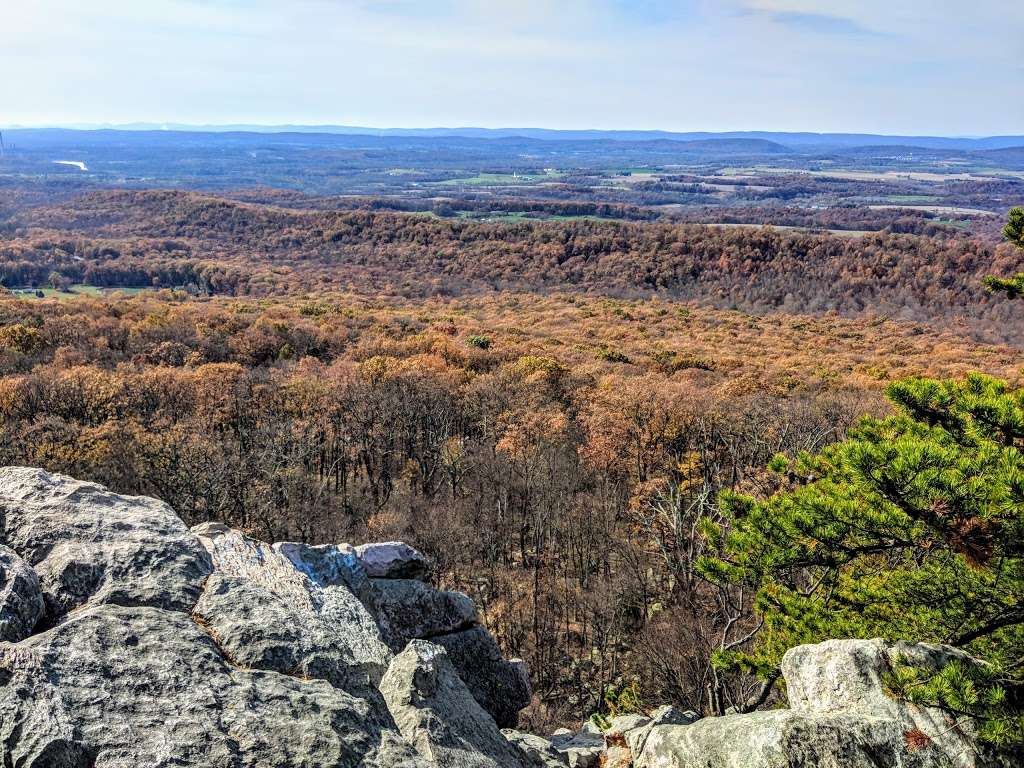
(841, 716)
(501, 687)
(89, 546)
(392, 560)
(265, 612)
(417, 611)
(435, 711)
(116, 686)
(21, 600)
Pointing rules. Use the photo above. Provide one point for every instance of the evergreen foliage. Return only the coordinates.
(913, 528)
(1014, 229)
(1014, 232)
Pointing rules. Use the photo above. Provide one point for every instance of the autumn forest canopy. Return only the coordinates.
(705, 402)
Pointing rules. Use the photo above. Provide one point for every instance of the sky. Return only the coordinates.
(936, 67)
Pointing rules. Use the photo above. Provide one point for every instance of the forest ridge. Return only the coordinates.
(228, 247)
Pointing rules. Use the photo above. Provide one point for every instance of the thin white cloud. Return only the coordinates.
(913, 66)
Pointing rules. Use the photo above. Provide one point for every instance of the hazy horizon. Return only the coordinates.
(326, 127)
(914, 68)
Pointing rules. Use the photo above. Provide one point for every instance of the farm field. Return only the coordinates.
(72, 292)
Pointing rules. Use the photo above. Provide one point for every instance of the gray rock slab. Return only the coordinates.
(335, 632)
(782, 739)
(538, 750)
(413, 610)
(393, 560)
(136, 686)
(501, 687)
(435, 711)
(21, 599)
(636, 736)
(90, 546)
(582, 749)
(841, 717)
(847, 675)
(330, 565)
(258, 629)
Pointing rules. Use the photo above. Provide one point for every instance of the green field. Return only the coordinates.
(517, 216)
(500, 179)
(75, 292)
(912, 198)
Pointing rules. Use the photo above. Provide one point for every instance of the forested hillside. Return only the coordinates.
(614, 443)
(206, 244)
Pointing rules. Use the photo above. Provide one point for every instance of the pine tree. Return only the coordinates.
(913, 528)
(1014, 232)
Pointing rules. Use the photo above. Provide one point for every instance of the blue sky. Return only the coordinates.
(903, 66)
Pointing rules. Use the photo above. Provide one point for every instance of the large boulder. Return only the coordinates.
(582, 749)
(540, 753)
(436, 712)
(846, 676)
(841, 716)
(258, 629)
(393, 560)
(21, 601)
(264, 608)
(781, 739)
(501, 687)
(617, 751)
(115, 686)
(330, 565)
(89, 546)
(413, 610)
(636, 736)
(387, 580)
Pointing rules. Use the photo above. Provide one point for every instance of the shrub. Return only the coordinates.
(21, 338)
(670, 362)
(612, 355)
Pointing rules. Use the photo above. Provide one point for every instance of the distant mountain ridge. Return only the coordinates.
(793, 140)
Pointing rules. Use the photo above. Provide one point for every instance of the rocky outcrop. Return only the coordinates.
(417, 611)
(409, 609)
(539, 752)
(257, 629)
(846, 677)
(89, 546)
(501, 687)
(21, 600)
(582, 749)
(635, 736)
(265, 612)
(841, 716)
(387, 580)
(435, 711)
(138, 686)
(128, 640)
